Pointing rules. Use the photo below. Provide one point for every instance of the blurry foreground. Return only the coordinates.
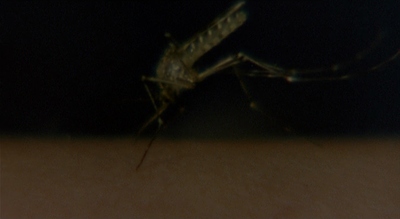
(286, 178)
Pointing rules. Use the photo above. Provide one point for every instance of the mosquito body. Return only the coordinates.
(175, 72)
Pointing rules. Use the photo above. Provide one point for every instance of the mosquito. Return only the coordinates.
(175, 73)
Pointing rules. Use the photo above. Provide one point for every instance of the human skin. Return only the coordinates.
(258, 178)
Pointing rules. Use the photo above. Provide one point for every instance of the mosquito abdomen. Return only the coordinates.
(219, 29)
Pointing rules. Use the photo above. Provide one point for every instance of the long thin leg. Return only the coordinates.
(150, 95)
(268, 70)
(232, 61)
(225, 63)
(300, 75)
(315, 74)
(293, 75)
(163, 81)
(154, 117)
(220, 66)
(305, 75)
(274, 121)
(158, 112)
(254, 105)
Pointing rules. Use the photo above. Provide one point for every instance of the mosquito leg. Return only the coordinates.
(225, 63)
(382, 64)
(154, 117)
(144, 126)
(182, 84)
(305, 75)
(276, 122)
(160, 122)
(150, 95)
(232, 61)
(316, 74)
(158, 112)
(253, 104)
(268, 70)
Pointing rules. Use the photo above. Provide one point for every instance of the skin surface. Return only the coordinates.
(279, 178)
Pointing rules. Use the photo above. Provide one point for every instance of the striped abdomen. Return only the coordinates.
(213, 35)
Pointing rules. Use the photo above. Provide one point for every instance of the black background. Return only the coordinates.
(74, 68)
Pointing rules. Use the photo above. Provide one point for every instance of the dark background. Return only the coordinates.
(74, 68)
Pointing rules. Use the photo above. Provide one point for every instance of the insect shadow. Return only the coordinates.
(175, 73)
